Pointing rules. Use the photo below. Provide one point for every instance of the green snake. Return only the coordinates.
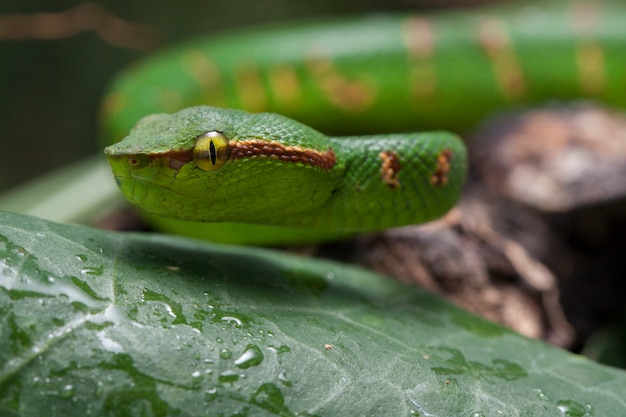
(257, 177)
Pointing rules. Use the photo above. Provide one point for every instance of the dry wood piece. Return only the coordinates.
(555, 160)
(465, 259)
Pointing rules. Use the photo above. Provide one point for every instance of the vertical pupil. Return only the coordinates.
(213, 152)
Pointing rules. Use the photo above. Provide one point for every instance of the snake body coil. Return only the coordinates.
(376, 73)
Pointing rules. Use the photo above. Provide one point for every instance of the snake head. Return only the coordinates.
(212, 164)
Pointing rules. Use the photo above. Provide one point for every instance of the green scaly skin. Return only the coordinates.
(376, 73)
(353, 195)
(388, 73)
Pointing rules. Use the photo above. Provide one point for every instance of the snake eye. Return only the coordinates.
(211, 151)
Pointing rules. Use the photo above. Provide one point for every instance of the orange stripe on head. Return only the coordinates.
(270, 149)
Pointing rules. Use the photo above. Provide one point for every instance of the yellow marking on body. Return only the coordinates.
(114, 103)
(344, 93)
(495, 41)
(440, 176)
(169, 100)
(590, 60)
(203, 70)
(285, 86)
(585, 20)
(419, 40)
(207, 75)
(250, 88)
(389, 169)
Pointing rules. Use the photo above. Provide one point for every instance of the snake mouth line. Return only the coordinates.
(131, 182)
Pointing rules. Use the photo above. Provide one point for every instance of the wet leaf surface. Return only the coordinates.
(113, 324)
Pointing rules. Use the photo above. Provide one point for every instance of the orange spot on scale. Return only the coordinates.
(591, 66)
(495, 41)
(113, 104)
(440, 176)
(419, 39)
(285, 86)
(354, 95)
(389, 169)
(201, 68)
(169, 100)
(250, 88)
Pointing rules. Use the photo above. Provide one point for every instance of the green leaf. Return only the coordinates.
(112, 324)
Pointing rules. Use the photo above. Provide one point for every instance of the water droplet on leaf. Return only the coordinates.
(541, 395)
(571, 408)
(280, 349)
(228, 376)
(92, 270)
(68, 391)
(232, 320)
(225, 353)
(282, 377)
(252, 356)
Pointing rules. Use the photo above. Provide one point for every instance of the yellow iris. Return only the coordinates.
(211, 151)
